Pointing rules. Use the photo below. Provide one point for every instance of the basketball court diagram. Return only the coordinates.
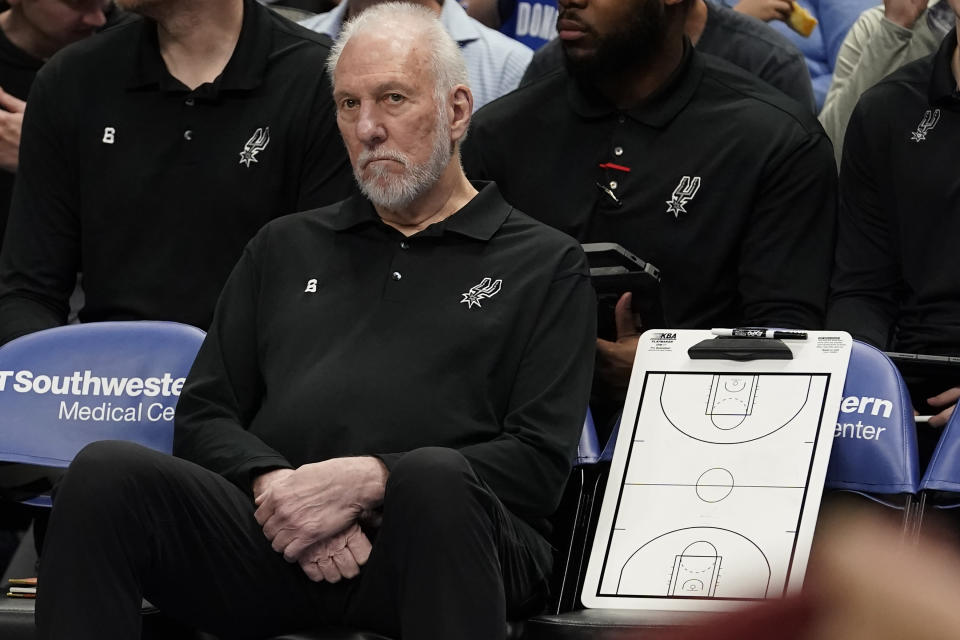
(697, 568)
(722, 460)
(731, 411)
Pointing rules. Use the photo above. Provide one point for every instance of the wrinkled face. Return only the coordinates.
(396, 132)
(64, 21)
(606, 35)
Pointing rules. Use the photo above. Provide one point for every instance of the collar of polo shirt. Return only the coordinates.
(244, 71)
(657, 110)
(478, 219)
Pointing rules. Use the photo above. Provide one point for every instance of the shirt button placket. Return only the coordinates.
(399, 274)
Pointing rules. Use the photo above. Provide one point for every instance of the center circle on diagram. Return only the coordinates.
(714, 485)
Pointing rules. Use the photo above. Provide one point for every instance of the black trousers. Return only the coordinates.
(449, 561)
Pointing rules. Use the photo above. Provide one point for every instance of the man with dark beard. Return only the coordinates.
(383, 413)
(718, 30)
(714, 177)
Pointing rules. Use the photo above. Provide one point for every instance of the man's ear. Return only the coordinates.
(460, 109)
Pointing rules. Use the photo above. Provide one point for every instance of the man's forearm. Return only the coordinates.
(20, 315)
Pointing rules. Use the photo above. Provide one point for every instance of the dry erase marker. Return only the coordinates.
(748, 332)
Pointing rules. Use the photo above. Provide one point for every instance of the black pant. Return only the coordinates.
(449, 561)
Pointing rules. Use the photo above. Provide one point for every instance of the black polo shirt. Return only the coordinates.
(719, 180)
(152, 190)
(751, 44)
(17, 71)
(337, 336)
(895, 284)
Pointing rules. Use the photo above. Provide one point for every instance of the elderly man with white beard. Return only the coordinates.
(383, 414)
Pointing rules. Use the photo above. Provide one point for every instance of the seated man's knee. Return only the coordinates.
(434, 476)
(104, 468)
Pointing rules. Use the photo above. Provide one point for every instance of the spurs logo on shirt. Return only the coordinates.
(257, 143)
(487, 288)
(930, 120)
(684, 193)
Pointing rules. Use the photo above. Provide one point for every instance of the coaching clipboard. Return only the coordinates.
(717, 475)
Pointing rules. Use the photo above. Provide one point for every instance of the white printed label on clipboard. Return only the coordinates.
(662, 340)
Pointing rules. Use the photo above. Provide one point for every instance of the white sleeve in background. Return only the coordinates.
(874, 48)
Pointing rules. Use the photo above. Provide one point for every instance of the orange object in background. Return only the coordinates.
(801, 21)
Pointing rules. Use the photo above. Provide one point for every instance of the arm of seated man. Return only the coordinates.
(38, 267)
(867, 275)
(211, 430)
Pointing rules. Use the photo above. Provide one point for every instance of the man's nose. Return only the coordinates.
(370, 127)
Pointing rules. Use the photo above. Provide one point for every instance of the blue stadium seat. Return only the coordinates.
(940, 485)
(63, 388)
(875, 445)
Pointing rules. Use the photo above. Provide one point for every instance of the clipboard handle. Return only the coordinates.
(740, 349)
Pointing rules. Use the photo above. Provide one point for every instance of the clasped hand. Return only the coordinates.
(339, 556)
(311, 515)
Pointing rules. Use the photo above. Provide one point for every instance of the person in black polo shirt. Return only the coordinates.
(895, 282)
(152, 153)
(749, 43)
(384, 411)
(690, 163)
(30, 32)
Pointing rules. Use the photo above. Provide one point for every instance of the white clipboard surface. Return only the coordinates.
(717, 475)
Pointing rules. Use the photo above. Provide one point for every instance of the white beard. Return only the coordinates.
(393, 192)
